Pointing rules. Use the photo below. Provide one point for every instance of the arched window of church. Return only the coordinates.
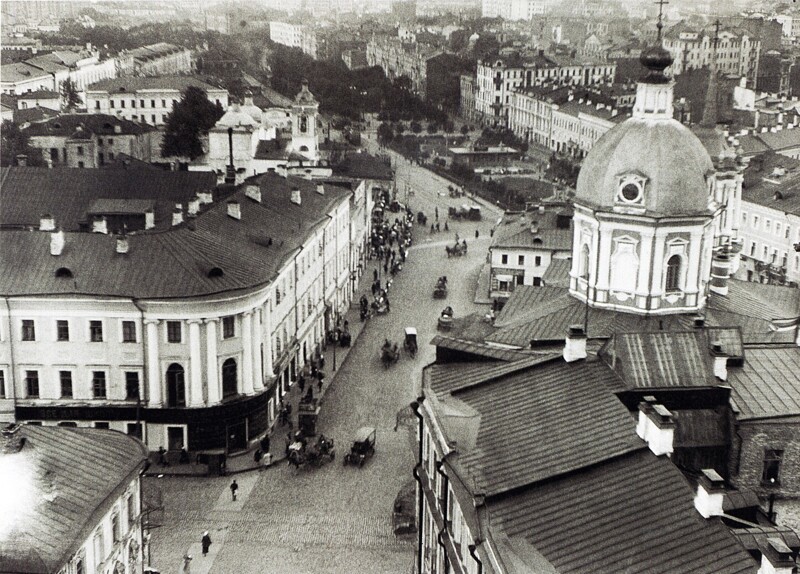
(673, 282)
(303, 123)
(624, 267)
(583, 269)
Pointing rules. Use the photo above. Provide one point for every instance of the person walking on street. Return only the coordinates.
(477, 234)
(206, 542)
(265, 444)
(234, 488)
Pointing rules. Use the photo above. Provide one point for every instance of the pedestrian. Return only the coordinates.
(386, 268)
(257, 455)
(206, 542)
(446, 227)
(265, 444)
(374, 274)
(433, 228)
(387, 305)
(184, 458)
(477, 234)
(436, 211)
(234, 488)
(187, 564)
(322, 357)
(301, 382)
(437, 227)
(162, 457)
(289, 415)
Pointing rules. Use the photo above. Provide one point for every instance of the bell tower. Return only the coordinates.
(304, 124)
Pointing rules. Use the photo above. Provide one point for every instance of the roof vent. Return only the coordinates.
(99, 224)
(122, 244)
(149, 219)
(47, 223)
(321, 189)
(776, 557)
(296, 198)
(64, 273)
(117, 129)
(253, 192)
(575, 344)
(177, 216)
(234, 209)
(57, 242)
(215, 272)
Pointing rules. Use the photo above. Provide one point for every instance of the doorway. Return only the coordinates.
(175, 438)
(176, 387)
(237, 436)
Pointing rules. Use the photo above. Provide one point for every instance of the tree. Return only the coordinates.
(70, 98)
(14, 143)
(416, 127)
(385, 134)
(400, 128)
(192, 116)
(432, 128)
(465, 129)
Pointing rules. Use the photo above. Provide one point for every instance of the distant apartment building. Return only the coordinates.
(146, 99)
(398, 58)
(355, 59)
(737, 51)
(294, 36)
(498, 79)
(49, 71)
(156, 60)
(514, 9)
(467, 102)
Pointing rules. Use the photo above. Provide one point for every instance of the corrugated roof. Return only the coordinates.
(130, 84)
(781, 139)
(20, 72)
(661, 359)
(28, 192)
(39, 95)
(67, 474)
(768, 384)
(632, 514)
(545, 421)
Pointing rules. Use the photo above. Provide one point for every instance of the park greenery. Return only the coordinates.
(190, 118)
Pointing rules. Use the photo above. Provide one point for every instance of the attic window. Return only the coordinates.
(122, 88)
(536, 240)
(63, 272)
(57, 125)
(215, 272)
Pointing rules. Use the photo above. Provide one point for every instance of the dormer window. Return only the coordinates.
(630, 190)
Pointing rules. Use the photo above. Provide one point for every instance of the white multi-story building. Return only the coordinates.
(398, 58)
(146, 99)
(49, 71)
(98, 506)
(159, 59)
(294, 36)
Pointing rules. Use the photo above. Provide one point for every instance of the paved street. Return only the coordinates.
(335, 518)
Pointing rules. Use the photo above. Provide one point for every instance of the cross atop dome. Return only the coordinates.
(660, 25)
(657, 59)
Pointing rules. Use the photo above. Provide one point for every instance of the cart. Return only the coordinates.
(363, 447)
(307, 413)
(410, 343)
(440, 290)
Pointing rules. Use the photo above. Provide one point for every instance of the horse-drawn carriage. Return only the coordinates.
(363, 447)
(301, 453)
(456, 250)
(410, 343)
(445, 322)
(390, 354)
(380, 305)
(440, 290)
(470, 212)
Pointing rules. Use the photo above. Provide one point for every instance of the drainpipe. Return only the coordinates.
(473, 552)
(12, 379)
(415, 406)
(446, 485)
(145, 386)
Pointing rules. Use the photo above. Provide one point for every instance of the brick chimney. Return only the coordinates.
(99, 224)
(47, 222)
(177, 216)
(253, 192)
(296, 197)
(234, 209)
(710, 492)
(57, 242)
(149, 219)
(575, 344)
(720, 362)
(776, 557)
(122, 244)
(657, 427)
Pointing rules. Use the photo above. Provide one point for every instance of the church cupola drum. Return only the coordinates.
(305, 110)
(645, 209)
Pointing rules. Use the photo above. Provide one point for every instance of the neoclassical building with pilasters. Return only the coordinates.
(186, 335)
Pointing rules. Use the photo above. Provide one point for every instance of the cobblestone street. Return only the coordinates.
(336, 518)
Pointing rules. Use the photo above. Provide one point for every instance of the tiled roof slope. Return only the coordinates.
(66, 193)
(768, 384)
(131, 84)
(543, 422)
(526, 299)
(557, 274)
(364, 166)
(472, 347)
(447, 378)
(176, 262)
(632, 514)
(66, 474)
(101, 124)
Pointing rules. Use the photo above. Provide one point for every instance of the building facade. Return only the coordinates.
(397, 58)
(159, 59)
(294, 36)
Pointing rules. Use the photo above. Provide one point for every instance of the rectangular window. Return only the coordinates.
(110, 141)
(112, 103)
(174, 331)
(777, 228)
(152, 103)
(66, 384)
(755, 222)
(96, 331)
(80, 150)
(122, 103)
(97, 105)
(131, 385)
(128, 332)
(504, 259)
(99, 384)
(32, 384)
(771, 473)
(520, 260)
(767, 225)
(130, 504)
(153, 118)
(135, 429)
(115, 531)
(28, 330)
(753, 247)
(81, 164)
(537, 260)
(228, 327)
(133, 103)
(99, 549)
(787, 232)
(62, 330)
(2, 384)
(141, 103)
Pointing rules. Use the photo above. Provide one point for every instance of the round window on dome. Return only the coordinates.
(630, 192)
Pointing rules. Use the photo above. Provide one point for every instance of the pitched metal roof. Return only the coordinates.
(660, 359)
(476, 348)
(101, 124)
(631, 514)
(526, 299)
(67, 193)
(547, 420)
(699, 428)
(364, 166)
(132, 84)
(446, 378)
(768, 384)
(755, 538)
(66, 474)
(557, 274)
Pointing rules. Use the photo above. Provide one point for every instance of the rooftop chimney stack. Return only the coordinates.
(177, 216)
(47, 222)
(720, 362)
(575, 345)
(710, 492)
(253, 192)
(149, 219)
(720, 272)
(57, 242)
(321, 189)
(193, 206)
(776, 557)
(205, 197)
(99, 224)
(296, 197)
(657, 427)
(234, 209)
(122, 244)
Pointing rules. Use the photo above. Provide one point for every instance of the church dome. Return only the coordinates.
(657, 166)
